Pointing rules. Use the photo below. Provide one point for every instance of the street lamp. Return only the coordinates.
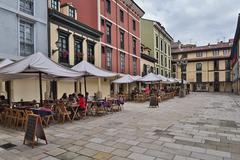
(182, 63)
(58, 45)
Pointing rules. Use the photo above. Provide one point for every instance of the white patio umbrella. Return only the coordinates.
(36, 65)
(89, 69)
(5, 62)
(126, 79)
(151, 77)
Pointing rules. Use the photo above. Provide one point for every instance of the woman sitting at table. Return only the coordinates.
(81, 103)
(64, 96)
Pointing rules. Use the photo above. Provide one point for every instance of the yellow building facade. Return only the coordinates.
(147, 62)
(208, 67)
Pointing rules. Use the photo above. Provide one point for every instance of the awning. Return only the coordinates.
(89, 69)
(37, 63)
(5, 62)
(127, 79)
(151, 77)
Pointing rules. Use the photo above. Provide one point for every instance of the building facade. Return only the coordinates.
(208, 67)
(71, 42)
(24, 31)
(147, 61)
(235, 52)
(24, 28)
(154, 35)
(120, 23)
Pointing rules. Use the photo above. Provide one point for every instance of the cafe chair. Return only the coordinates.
(11, 118)
(62, 112)
(21, 119)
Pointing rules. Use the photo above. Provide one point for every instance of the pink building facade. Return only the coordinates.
(119, 20)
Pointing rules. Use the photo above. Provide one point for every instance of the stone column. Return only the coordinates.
(99, 88)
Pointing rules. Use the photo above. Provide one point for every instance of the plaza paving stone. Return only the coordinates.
(201, 126)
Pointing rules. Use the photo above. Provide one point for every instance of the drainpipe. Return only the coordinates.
(117, 31)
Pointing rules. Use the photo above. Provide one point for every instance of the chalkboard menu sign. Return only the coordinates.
(34, 130)
(153, 101)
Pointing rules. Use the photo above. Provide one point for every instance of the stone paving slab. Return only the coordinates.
(201, 126)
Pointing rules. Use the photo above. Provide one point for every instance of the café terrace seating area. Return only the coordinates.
(14, 115)
(58, 111)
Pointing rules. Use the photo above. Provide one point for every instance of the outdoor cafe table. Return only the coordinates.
(43, 112)
(74, 107)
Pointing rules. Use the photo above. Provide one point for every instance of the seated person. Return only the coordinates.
(64, 96)
(81, 103)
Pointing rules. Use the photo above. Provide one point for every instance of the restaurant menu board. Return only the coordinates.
(34, 129)
(153, 101)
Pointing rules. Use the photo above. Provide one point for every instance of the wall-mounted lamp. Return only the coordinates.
(58, 45)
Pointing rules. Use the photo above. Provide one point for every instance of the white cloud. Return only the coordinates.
(200, 21)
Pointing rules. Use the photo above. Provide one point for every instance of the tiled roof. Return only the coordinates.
(193, 48)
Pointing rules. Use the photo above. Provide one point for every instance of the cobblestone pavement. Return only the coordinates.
(201, 126)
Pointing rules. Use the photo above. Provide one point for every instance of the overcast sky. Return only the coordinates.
(201, 21)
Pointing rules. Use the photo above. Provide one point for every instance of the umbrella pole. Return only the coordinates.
(85, 86)
(40, 88)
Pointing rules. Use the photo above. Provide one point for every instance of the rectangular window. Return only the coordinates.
(27, 6)
(26, 38)
(173, 75)
(121, 39)
(169, 50)
(161, 45)
(102, 21)
(134, 66)
(134, 46)
(216, 76)
(216, 65)
(157, 71)
(199, 54)
(78, 51)
(184, 76)
(122, 62)
(90, 52)
(54, 4)
(121, 15)
(108, 33)
(228, 76)
(108, 6)
(63, 48)
(162, 72)
(165, 47)
(157, 55)
(227, 65)
(165, 61)
(199, 77)
(184, 68)
(225, 52)
(184, 55)
(108, 58)
(144, 70)
(157, 41)
(72, 12)
(216, 53)
(173, 68)
(174, 56)
(161, 60)
(199, 67)
(166, 74)
(134, 24)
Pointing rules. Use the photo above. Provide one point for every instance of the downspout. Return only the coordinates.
(117, 40)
